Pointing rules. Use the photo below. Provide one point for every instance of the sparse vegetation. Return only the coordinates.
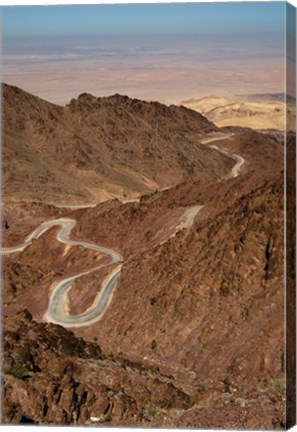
(153, 301)
(278, 384)
(129, 328)
(47, 420)
(226, 381)
(149, 412)
(153, 344)
(107, 417)
(18, 371)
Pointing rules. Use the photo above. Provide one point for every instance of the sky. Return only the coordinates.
(85, 20)
(165, 52)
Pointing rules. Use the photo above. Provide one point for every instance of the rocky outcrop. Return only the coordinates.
(52, 377)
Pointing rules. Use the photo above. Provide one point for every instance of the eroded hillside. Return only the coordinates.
(95, 149)
(193, 334)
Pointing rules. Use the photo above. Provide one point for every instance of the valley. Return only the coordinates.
(142, 265)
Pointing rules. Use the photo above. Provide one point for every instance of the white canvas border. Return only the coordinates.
(9, 3)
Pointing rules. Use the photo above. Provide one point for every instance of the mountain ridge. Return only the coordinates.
(95, 149)
(194, 327)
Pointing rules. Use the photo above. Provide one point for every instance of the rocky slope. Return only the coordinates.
(194, 335)
(211, 308)
(52, 377)
(98, 148)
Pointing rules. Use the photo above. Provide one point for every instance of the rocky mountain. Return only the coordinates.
(194, 332)
(98, 148)
(52, 377)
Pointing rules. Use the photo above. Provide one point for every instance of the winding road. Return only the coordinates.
(88, 205)
(239, 159)
(190, 215)
(57, 311)
(63, 236)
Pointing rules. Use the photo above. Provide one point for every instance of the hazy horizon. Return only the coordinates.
(190, 51)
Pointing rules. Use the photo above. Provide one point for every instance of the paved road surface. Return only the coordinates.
(56, 310)
(239, 159)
